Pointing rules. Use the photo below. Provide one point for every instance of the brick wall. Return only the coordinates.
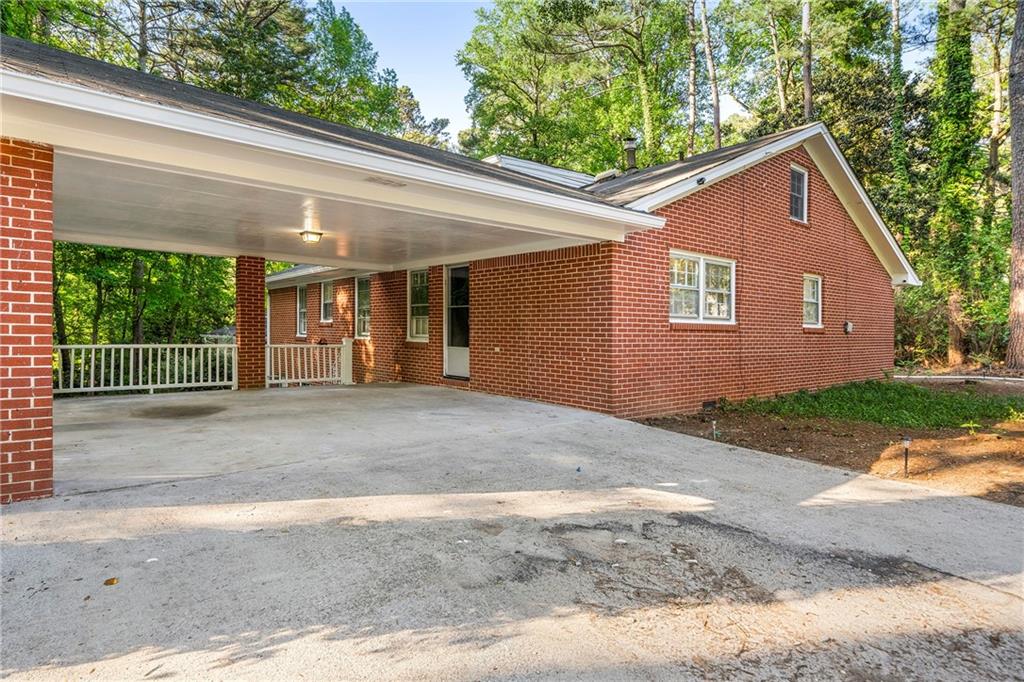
(588, 326)
(540, 326)
(663, 367)
(250, 320)
(26, 308)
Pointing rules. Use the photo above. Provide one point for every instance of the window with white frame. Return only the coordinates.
(362, 307)
(326, 301)
(812, 301)
(419, 304)
(701, 288)
(798, 194)
(300, 310)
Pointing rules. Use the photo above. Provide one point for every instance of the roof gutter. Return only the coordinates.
(76, 97)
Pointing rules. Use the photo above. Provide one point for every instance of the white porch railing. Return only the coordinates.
(303, 364)
(142, 367)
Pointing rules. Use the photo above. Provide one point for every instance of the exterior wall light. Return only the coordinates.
(311, 237)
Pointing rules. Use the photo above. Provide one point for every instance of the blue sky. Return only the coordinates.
(419, 41)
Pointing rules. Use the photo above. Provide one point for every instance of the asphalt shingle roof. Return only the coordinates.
(634, 185)
(61, 66)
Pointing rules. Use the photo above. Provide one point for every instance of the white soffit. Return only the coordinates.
(85, 122)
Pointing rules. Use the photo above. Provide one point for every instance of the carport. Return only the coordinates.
(98, 154)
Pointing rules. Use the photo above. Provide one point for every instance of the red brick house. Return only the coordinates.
(771, 273)
(755, 269)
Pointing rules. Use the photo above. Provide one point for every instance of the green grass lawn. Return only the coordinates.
(890, 403)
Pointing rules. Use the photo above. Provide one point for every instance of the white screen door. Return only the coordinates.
(456, 337)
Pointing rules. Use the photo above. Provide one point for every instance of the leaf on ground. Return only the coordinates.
(110, 581)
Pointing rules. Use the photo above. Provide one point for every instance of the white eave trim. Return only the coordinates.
(689, 185)
(562, 176)
(116, 106)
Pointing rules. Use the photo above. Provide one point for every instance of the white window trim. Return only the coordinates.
(355, 309)
(408, 307)
(807, 191)
(322, 318)
(301, 301)
(700, 319)
(821, 296)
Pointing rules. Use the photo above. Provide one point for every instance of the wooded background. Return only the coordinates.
(916, 96)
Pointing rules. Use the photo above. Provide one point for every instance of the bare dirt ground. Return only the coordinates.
(988, 463)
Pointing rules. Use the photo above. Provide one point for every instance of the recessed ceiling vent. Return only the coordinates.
(379, 180)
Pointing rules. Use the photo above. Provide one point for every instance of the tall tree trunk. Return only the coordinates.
(97, 312)
(138, 298)
(186, 290)
(995, 139)
(805, 40)
(898, 149)
(716, 110)
(650, 144)
(691, 82)
(780, 83)
(1015, 351)
(60, 327)
(142, 54)
(956, 328)
(954, 147)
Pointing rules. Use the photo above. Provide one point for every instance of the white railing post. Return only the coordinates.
(300, 363)
(234, 367)
(141, 367)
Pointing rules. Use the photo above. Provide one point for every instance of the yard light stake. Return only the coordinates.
(714, 429)
(906, 456)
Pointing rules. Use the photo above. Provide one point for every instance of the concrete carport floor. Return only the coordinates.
(412, 532)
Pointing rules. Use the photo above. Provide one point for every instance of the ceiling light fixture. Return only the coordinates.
(310, 236)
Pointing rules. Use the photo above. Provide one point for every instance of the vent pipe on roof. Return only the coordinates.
(629, 143)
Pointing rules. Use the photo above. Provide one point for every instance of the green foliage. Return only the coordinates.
(890, 404)
(253, 49)
(563, 81)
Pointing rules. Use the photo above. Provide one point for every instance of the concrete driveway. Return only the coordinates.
(395, 531)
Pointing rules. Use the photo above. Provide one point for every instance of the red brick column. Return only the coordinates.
(251, 321)
(26, 320)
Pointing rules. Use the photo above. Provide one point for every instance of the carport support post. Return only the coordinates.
(250, 321)
(26, 320)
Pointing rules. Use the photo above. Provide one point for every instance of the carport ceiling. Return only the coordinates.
(160, 209)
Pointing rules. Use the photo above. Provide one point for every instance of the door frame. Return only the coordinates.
(444, 341)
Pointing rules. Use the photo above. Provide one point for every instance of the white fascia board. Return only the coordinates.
(683, 188)
(276, 281)
(116, 106)
(562, 176)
